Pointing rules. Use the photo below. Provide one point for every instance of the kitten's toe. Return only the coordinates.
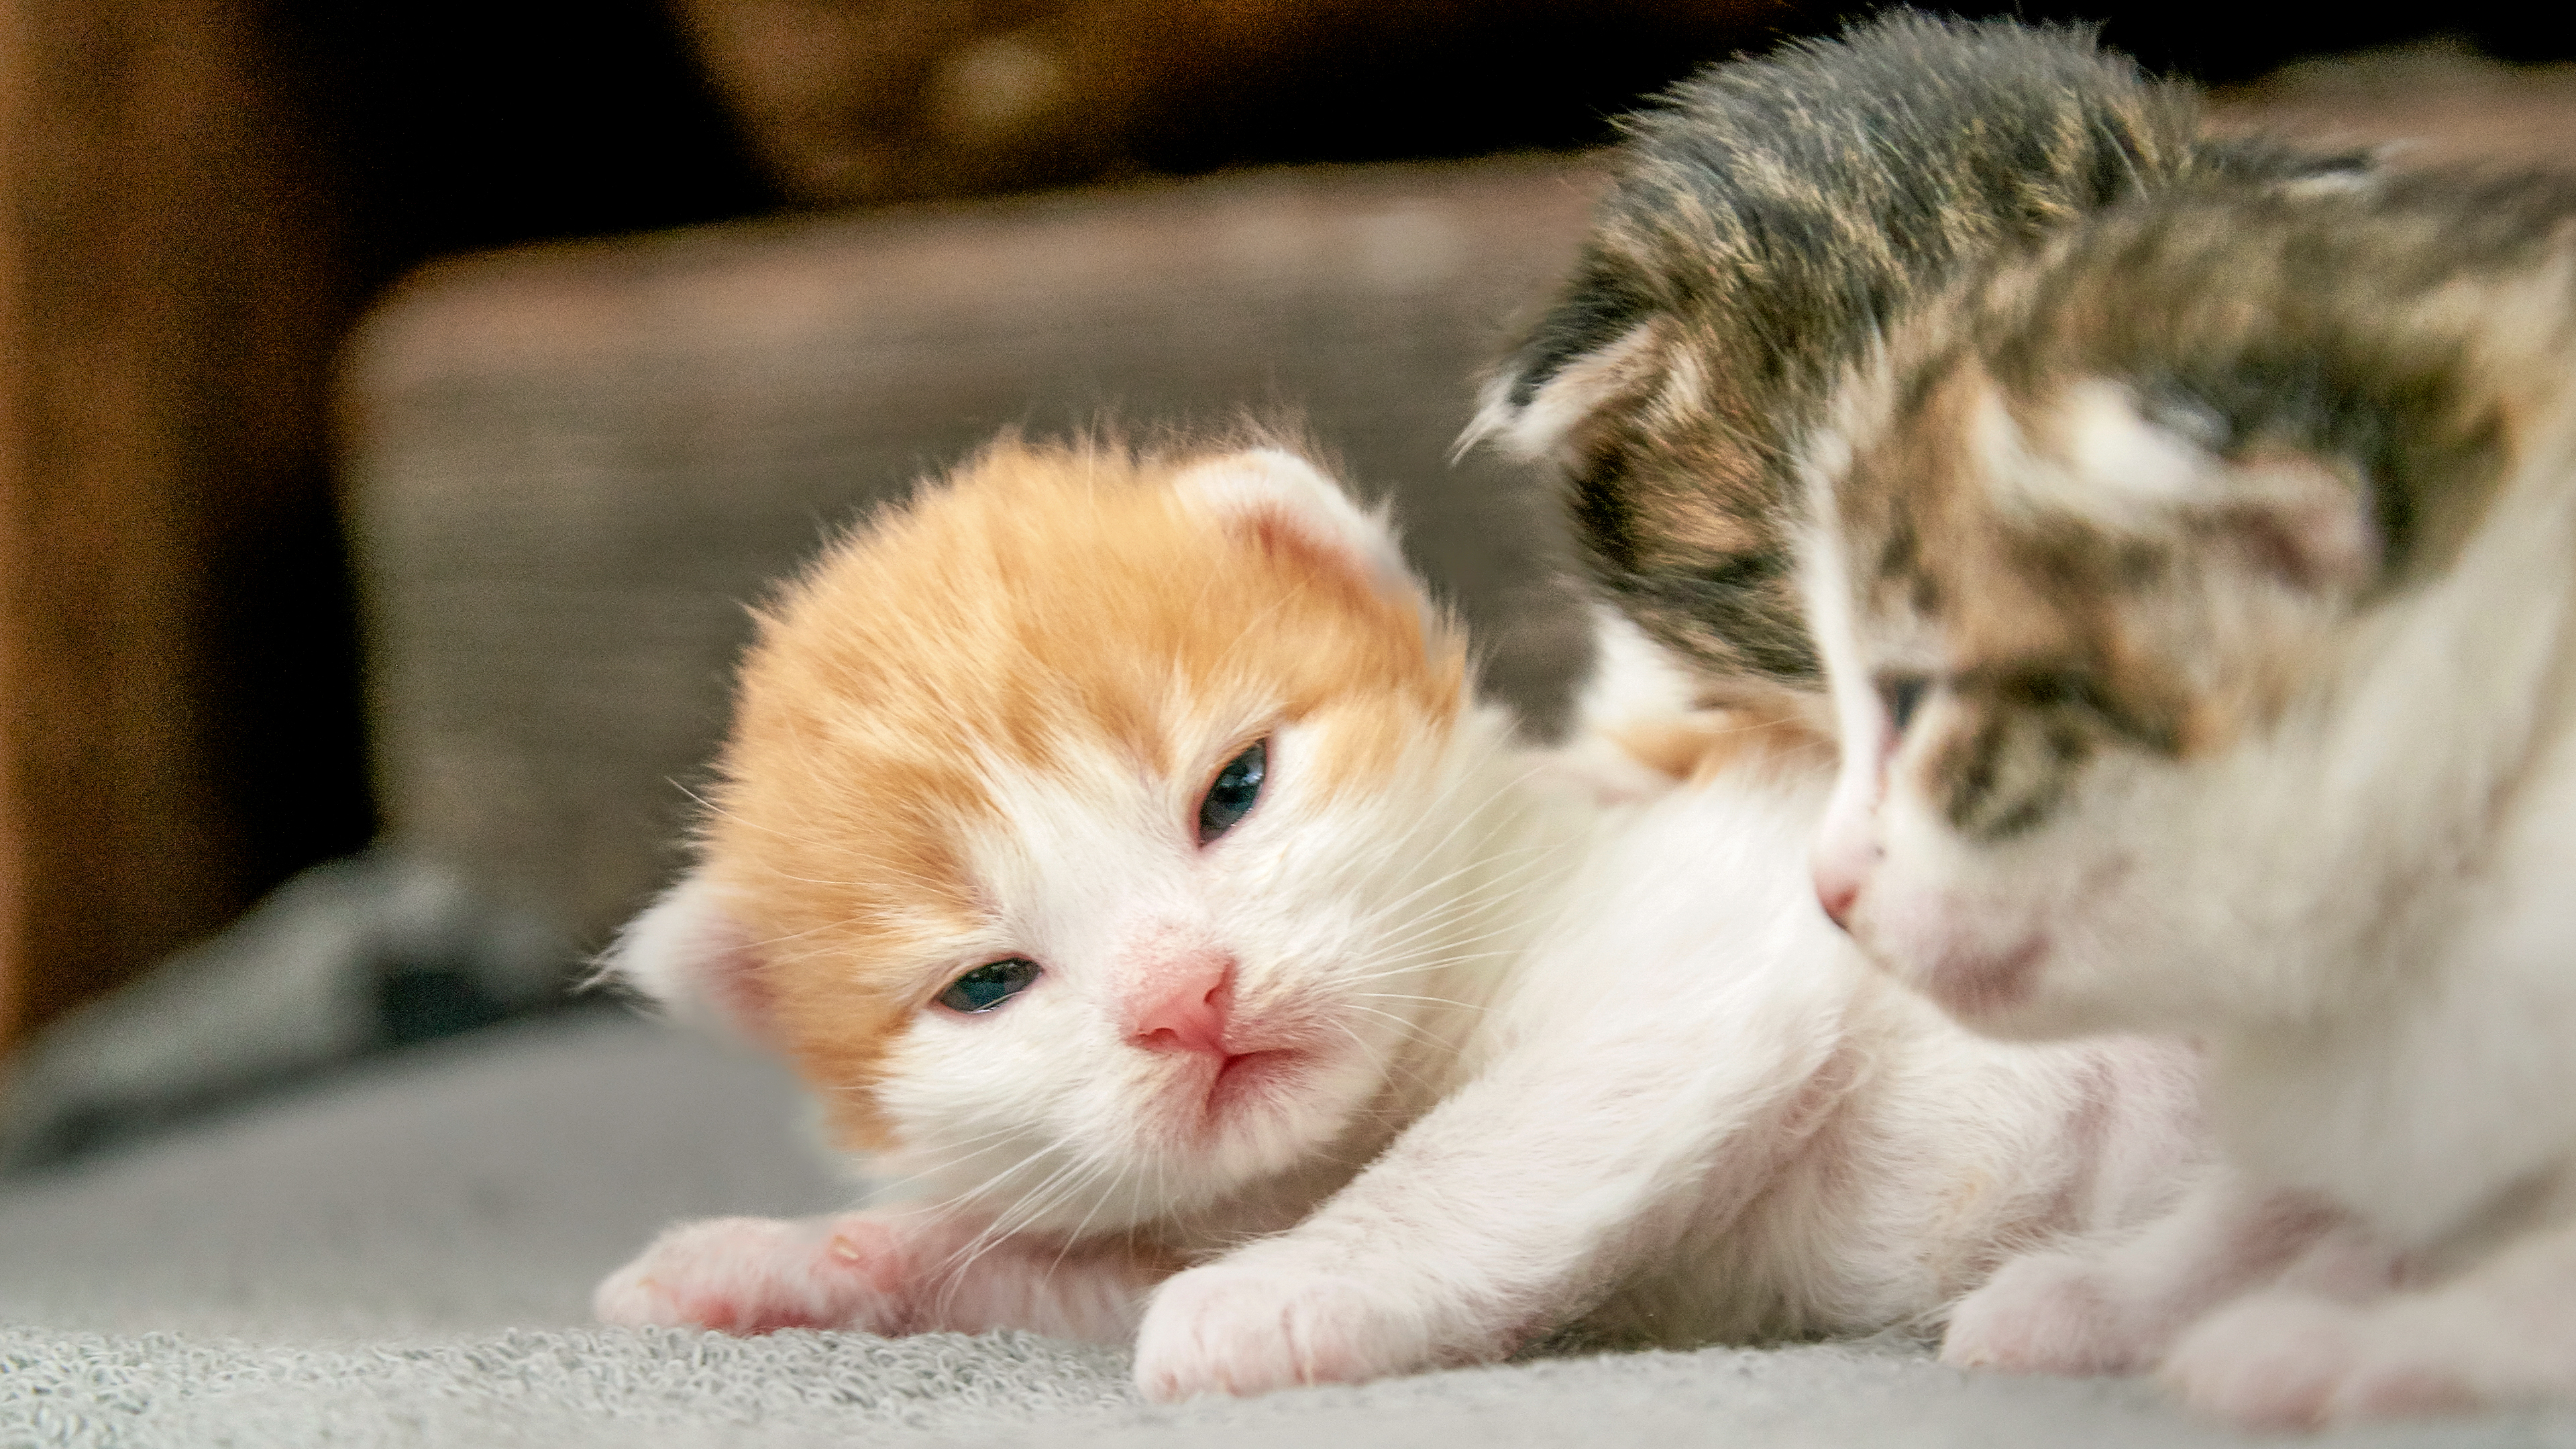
(755, 1275)
(1250, 1328)
(2273, 1361)
(2052, 1313)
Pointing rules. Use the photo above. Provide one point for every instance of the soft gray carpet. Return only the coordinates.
(403, 1259)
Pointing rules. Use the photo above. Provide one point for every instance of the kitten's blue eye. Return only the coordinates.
(1236, 787)
(989, 985)
(1902, 694)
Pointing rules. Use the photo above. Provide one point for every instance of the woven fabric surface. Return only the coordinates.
(405, 1257)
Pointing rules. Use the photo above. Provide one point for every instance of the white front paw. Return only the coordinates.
(756, 1275)
(2285, 1360)
(2053, 1313)
(1263, 1319)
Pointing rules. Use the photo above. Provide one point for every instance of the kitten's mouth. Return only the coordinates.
(1250, 1074)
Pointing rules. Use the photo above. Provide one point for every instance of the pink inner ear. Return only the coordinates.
(2313, 530)
(1275, 533)
(737, 987)
(1279, 504)
(690, 952)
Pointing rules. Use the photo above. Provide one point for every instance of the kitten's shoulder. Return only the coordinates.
(1642, 725)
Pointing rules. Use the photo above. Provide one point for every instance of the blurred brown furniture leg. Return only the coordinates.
(170, 577)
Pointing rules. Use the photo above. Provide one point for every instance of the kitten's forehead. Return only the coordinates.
(1047, 597)
(1912, 497)
(2071, 428)
(1086, 851)
(2134, 488)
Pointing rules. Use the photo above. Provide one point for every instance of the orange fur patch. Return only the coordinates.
(1697, 747)
(1041, 596)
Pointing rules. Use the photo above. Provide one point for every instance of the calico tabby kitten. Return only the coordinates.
(1764, 221)
(2199, 596)
(1119, 849)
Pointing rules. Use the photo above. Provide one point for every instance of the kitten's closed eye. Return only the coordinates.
(991, 984)
(1230, 798)
(1901, 695)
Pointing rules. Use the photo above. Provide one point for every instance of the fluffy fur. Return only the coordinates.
(2199, 596)
(1425, 1057)
(1764, 222)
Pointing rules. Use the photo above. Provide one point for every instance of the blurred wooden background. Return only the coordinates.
(174, 644)
(202, 196)
(197, 198)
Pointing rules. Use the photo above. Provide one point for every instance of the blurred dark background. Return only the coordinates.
(474, 125)
(205, 196)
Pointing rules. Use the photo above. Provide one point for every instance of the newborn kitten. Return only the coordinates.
(2199, 597)
(1120, 851)
(1765, 220)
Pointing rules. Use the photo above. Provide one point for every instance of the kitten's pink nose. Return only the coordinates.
(1846, 850)
(1841, 867)
(1180, 1005)
(1836, 893)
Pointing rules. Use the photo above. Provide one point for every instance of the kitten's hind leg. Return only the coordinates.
(2116, 1306)
(887, 1274)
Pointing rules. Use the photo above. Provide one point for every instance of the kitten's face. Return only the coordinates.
(2141, 572)
(2075, 660)
(1082, 829)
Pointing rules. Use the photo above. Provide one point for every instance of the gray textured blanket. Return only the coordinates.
(404, 1259)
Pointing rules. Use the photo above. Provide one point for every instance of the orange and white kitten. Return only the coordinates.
(1119, 849)
(2199, 595)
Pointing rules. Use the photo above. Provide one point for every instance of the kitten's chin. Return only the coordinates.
(2013, 964)
(1979, 983)
(1992, 982)
(2022, 992)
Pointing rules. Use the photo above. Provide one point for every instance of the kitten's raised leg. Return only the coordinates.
(888, 1275)
(1514, 1205)
(2291, 1358)
(2116, 1306)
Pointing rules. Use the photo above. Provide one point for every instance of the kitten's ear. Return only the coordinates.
(1559, 399)
(2300, 521)
(1602, 351)
(2287, 515)
(690, 952)
(1284, 499)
